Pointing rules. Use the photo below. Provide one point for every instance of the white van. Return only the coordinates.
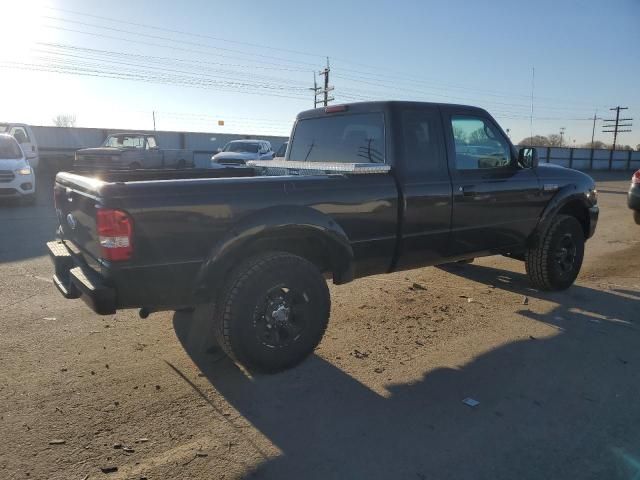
(17, 178)
(25, 137)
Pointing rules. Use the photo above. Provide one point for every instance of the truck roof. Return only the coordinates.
(381, 106)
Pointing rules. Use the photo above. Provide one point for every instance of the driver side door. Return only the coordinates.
(496, 202)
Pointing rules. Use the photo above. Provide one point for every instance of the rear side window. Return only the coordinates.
(357, 138)
(423, 143)
(9, 148)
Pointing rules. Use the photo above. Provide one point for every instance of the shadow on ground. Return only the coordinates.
(560, 407)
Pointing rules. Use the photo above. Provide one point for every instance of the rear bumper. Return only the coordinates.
(633, 198)
(75, 280)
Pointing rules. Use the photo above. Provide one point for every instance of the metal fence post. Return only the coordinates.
(548, 153)
(629, 160)
(571, 158)
(591, 160)
(610, 160)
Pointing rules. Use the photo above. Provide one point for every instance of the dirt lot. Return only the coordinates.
(557, 376)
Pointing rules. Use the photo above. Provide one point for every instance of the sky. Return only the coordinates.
(250, 64)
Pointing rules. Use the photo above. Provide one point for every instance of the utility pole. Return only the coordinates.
(616, 126)
(315, 91)
(325, 91)
(562, 129)
(154, 120)
(593, 130)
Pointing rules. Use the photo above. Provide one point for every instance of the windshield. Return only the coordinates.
(9, 148)
(125, 141)
(241, 147)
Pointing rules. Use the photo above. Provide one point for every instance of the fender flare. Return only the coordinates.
(564, 196)
(290, 221)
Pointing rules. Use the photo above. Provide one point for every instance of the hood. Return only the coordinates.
(12, 163)
(549, 171)
(235, 156)
(101, 151)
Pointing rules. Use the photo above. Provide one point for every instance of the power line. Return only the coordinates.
(616, 126)
(129, 32)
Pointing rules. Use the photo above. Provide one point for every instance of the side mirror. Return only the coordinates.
(528, 157)
(218, 150)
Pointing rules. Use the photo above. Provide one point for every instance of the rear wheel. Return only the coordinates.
(135, 166)
(273, 312)
(555, 262)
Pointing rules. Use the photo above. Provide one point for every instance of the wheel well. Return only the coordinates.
(306, 246)
(311, 247)
(576, 209)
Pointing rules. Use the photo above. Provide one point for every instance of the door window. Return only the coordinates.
(20, 134)
(478, 144)
(151, 142)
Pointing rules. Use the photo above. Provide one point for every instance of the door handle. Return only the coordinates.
(468, 190)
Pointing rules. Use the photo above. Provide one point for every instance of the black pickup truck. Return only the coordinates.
(365, 188)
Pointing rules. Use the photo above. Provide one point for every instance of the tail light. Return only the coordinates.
(636, 178)
(115, 232)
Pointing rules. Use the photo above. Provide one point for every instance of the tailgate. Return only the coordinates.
(75, 200)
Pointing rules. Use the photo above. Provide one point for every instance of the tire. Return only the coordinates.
(135, 166)
(200, 336)
(272, 312)
(636, 216)
(555, 262)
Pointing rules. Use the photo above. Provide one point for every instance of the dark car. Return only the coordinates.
(365, 188)
(633, 198)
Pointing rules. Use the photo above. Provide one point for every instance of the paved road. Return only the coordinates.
(557, 376)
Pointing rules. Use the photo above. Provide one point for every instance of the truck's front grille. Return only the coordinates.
(6, 176)
(94, 160)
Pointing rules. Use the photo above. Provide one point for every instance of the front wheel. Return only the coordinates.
(636, 216)
(272, 312)
(555, 262)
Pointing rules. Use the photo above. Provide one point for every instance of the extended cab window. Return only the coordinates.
(356, 138)
(423, 143)
(478, 144)
(151, 142)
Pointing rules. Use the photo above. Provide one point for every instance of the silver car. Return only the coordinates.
(239, 152)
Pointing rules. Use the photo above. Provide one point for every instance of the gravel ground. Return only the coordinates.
(557, 376)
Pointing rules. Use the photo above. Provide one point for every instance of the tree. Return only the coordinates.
(477, 137)
(535, 141)
(596, 144)
(64, 120)
(459, 135)
(555, 140)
